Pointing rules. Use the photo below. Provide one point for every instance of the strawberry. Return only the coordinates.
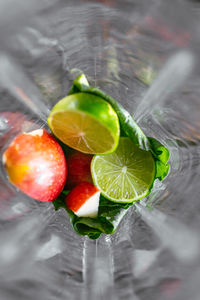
(83, 200)
(36, 164)
(78, 168)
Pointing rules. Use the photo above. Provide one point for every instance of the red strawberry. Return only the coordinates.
(83, 200)
(78, 168)
(36, 164)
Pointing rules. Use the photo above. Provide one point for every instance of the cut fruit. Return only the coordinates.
(83, 200)
(86, 123)
(78, 168)
(125, 175)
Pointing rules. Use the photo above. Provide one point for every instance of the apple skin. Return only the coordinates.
(36, 164)
(78, 168)
(82, 193)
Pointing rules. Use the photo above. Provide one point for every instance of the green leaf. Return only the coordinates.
(162, 170)
(80, 83)
(59, 202)
(159, 151)
(109, 216)
(161, 155)
(128, 125)
(84, 226)
(110, 213)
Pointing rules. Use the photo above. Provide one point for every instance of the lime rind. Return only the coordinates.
(100, 115)
(76, 139)
(123, 200)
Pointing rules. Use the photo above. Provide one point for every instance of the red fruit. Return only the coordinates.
(83, 200)
(78, 168)
(36, 164)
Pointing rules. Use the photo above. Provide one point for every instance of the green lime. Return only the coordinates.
(125, 175)
(86, 123)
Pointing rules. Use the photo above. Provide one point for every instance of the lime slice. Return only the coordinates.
(86, 123)
(125, 175)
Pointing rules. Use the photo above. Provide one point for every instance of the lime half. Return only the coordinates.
(86, 123)
(125, 175)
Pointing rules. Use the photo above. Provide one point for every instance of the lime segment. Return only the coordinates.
(86, 123)
(125, 175)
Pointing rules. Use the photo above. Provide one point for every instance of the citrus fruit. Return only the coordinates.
(86, 123)
(125, 175)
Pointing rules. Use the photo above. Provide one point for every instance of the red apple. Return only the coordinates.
(36, 164)
(83, 200)
(78, 168)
